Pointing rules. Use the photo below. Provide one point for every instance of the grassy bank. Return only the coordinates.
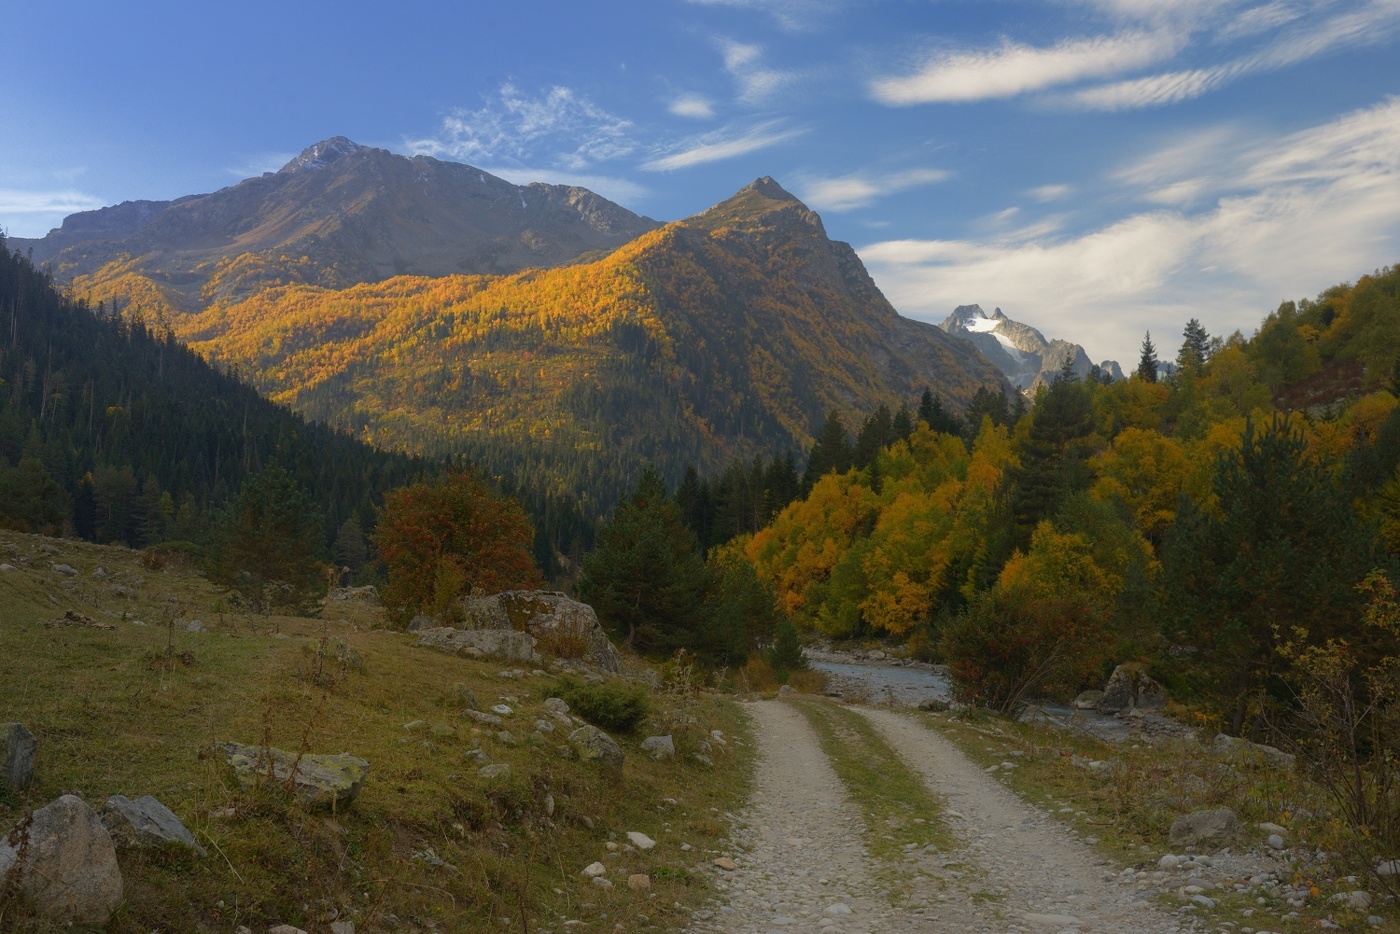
(124, 702)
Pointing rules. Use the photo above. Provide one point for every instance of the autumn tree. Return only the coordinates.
(444, 538)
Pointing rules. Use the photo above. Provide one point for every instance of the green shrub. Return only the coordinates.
(615, 706)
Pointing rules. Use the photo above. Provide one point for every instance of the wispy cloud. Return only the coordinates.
(723, 144)
(757, 83)
(559, 128)
(790, 15)
(1050, 192)
(1012, 69)
(694, 106)
(259, 163)
(622, 190)
(1278, 216)
(1301, 40)
(848, 192)
(19, 201)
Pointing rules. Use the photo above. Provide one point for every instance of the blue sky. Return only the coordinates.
(1096, 168)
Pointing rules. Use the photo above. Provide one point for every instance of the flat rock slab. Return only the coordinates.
(330, 781)
(17, 748)
(64, 863)
(145, 824)
(495, 643)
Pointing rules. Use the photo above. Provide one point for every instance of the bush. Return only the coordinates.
(1008, 646)
(808, 682)
(758, 676)
(615, 706)
(786, 654)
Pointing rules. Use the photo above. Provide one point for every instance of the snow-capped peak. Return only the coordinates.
(322, 154)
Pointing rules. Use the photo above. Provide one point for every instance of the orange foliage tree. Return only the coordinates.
(447, 537)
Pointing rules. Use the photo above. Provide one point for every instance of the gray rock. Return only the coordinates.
(190, 625)
(1087, 700)
(1214, 828)
(467, 696)
(557, 706)
(17, 748)
(1275, 841)
(64, 864)
(144, 824)
(497, 643)
(935, 705)
(480, 716)
(67, 570)
(498, 770)
(595, 745)
(1233, 747)
(421, 622)
(1130, 688)
(330, 781)
(660, 747)
(562, 627)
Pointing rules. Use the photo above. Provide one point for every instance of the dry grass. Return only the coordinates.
(428, 845)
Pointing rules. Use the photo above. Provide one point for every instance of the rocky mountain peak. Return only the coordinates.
(769, 188)
(1019, 350)
(322, 154)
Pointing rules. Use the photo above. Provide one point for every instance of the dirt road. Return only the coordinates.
(803, 867)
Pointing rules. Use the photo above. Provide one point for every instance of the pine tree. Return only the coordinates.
(1054, 453)
(269, 542)
(831, 452)
(1147, 363)
(1195, 349)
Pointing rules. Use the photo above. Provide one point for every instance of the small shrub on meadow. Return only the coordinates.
(613, 705)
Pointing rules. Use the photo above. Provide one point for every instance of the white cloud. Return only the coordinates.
(756, 82)
(622, 190)
(259, 163)
(848, 192)
(790, 15)
(1050, 192)
(695, 106)
(1013, 69)
(723, 144)
(19, 201)
(1279, 217)
(559, 127)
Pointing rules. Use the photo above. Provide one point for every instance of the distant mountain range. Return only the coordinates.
(1019, 350)
(366, 290)
(337, 215)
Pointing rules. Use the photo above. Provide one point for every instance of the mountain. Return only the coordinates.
(337, 215)
(1019, 350)
(724, 335)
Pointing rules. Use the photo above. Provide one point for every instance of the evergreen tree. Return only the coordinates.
(903, 423)
(1054, 454)
(269, 542)
(351, 551)
(985, 403)
(876, 434)
(936, 417)
(646, 579)
(1284, 550)
(1195, 349)
(742, 611)
(831, 452)
(1147, 363)
(786, 656)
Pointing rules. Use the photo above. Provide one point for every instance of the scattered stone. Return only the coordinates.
(935, 705)
(342, 927)
(317, 780)
(48, 549)
(506, 737)
(8, 567)
(496, 643)
(1059, 921)
(72, 619)
(1233, 747)
(145, 824)
(639, 882)
(1275, 841)
(366, 594)
(499, 770)
(67, 570)
(480, 716)
(837, 910)
(17, 748)
(1169, 862)
(413, 726)
(557, 706)
(1389, 867)
(640, 840)
(561, 627)
(544, 726)
(593, 870)
(660, 747)
(602, 883)
(594, 744)
(1358, 900)
(503, 710)
(1269, 827)
(421, 622)
(1088, 700)
(63, 862)
(725, 863)
(466, 696)
(285, 929)
(190, 625)
(1205, 828)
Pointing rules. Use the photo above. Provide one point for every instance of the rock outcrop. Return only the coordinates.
(330, 781)
(64, 864)
(487, 643)
(1131, 688)
(595, 745)
(1212, 828)
(562, 627)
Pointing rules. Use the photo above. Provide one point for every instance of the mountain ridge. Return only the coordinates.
(1020, 351)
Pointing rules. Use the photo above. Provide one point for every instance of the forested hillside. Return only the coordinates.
(116, 432)
(1208, 524)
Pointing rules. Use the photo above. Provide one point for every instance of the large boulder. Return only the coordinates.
(1212, 828)
(1130, 688)
(63, 862)
(492, 643)
(17, 746)
(595, 745)
(330, 781)
(145, 824)
(563, 628)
